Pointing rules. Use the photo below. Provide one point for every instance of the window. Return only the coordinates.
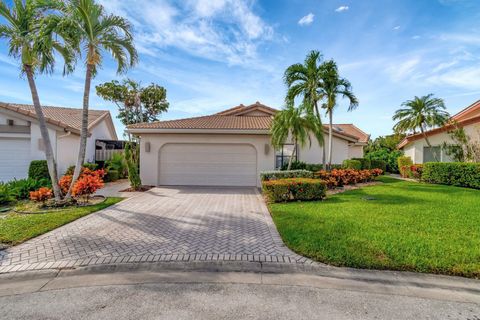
(282, 156)
(440, 153)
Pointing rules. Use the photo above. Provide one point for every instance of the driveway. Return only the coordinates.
(163, 224)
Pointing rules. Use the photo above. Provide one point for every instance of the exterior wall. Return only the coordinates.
(149, 161)
(17, 121)
(355, 151)
(314, 153)
(415, 149)
(36, 151)
(100, 131)
(67, 151)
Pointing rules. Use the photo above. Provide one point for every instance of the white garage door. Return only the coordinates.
(14, 158)
(208, 165)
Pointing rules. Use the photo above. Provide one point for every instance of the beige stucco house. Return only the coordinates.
(416, 147)
(229, 148)
(21, 141)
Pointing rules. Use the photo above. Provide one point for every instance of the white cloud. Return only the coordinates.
(306, 20)
(221, 30)
(465, 78)
(403, 70)
(342, 8)
(396, 28)
(416, 37)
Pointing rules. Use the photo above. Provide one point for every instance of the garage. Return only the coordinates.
(14, 158)
(204, 164)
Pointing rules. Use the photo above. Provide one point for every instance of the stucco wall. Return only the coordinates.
(149, 160)
(314, 153)
(100, 131)
(355, 151)
(67, 154)
(17, 121)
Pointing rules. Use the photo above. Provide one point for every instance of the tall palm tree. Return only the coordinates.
(304, 80)
(32, 40)
(296, 123)
(421, 113)
(96, 32)
(333, 86)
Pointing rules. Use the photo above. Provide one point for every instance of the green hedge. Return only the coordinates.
(366, 163)
(352, 164)
(38, 170)
(452, 173)
(299, 189)
(378, 164)
(275, 175)
(112, 175)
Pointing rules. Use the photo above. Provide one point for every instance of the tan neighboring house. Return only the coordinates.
(229, 148)
(21, 141)
(416, 147)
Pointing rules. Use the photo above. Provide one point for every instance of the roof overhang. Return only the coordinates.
(196, 131)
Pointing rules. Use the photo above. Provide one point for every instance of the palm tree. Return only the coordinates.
(421, 113)
(296, 123)
(32, 40)
(332, 86)
(97, 32)
(304, 80)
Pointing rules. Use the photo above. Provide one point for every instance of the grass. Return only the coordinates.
(396, 225)
(17, 228)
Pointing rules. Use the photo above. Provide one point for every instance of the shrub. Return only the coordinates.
(88, 165)
(454, 173)
(275, 175)
(112, 175)
(294, 189)
(342, 177)
(390, 157)
(41, 195)
(366, 163)
(296, 165)
(65, 182)
(352, 164)
(5, 195)
(404, 163)
(378, 164)
(117, 163)
(38, 170)
(20, 189)
(314, 167)
(86, 185)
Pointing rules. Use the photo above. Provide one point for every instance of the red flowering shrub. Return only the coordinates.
(87, 185)
(64, 183)
(41, 195)
(342, 177)
(413, 171)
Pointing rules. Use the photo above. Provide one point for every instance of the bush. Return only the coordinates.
(453, 173)
(352, 164)
(342, 177)
(366, 163)
(390, 157)
(295, 189)
(86, 185)
(88, 165)
(378, 164)
(296, 165)
(38, 170)
(41, 195)
(403, 164)
(117, 163)
(5, 195)
(275, 175)
(112, 175)
(20, 189)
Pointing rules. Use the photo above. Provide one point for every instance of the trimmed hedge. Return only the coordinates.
(299, 189)
(366, 163)
(38, 170)
(403, 163)
(378, 164)
(352, 164)
(112, 175)
(275, 175)
(452, 173)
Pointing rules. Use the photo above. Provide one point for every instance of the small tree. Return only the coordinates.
(132, 157)
(463, 148)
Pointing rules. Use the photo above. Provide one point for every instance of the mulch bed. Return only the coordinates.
(141, 189)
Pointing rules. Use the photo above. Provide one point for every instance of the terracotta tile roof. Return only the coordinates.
(352, 130)
(68, 118)
(471, 111)
(241, 109)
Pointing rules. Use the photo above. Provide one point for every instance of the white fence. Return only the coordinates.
(104, 155)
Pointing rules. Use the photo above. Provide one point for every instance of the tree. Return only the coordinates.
(96, 32)
(421, 113)
(332, 86)
(297, 124)
(34, 38)
(464, 148)
(135, 103)
(304, 80)
(385, 148)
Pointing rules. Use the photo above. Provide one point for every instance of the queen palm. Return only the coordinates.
(333, 86)
(421, 113)
(304, 80)
(97, 32)
(32, 40)
(297, 124)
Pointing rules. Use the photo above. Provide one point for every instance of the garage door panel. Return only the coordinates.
(208, 164)
(14, 158)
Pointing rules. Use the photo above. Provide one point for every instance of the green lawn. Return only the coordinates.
(17, 228)
(404, 226)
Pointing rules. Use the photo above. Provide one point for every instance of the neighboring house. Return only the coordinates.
(229, 148)
(21, 141)
(416, 147)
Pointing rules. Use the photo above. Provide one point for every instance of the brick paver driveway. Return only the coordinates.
(164, 224)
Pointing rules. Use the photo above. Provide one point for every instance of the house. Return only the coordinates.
(229, 148)
(417, 149)
(21, 141)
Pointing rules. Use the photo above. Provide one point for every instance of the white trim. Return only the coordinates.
(15, 135)
(206, 131)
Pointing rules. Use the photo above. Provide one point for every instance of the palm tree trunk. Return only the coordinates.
(52, 165)
(292, 155)
(319, 118)
(330, 142)
(84, 132)
(429, 145)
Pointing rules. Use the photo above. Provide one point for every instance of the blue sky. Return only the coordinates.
(215, 54)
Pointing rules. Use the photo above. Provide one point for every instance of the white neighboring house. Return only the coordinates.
(21, 141)
(417, 149)
(229, 148)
